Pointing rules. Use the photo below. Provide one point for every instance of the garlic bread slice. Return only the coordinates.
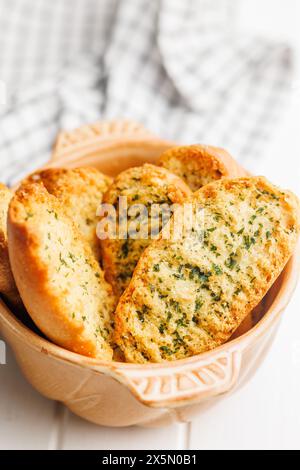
(80, 192)
(60, 281)
(8, 287)
(188, 295)
(199, 165)
(142, 188)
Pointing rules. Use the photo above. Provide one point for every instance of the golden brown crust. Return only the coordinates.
(60, 281)
(189, 295)
(7, 283)
(198, 165)
(80, 192)
(146, 185)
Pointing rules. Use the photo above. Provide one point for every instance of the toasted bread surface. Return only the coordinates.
(199, 165)
(142, 189)
(189, 294)
(80, 192)
(57, 274)
(7, 283)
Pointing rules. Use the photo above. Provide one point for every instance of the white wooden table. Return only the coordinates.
(266, 413)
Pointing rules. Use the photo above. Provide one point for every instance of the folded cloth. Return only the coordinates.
(180, 68)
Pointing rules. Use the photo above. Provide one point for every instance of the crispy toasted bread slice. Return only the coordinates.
(8, 287)
(80, 192)
(189, 294)
(58, 276)
(199, 165)
(145, 185)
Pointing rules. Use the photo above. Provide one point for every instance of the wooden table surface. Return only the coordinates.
(266, 412)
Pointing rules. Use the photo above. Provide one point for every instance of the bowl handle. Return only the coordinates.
(185, 383)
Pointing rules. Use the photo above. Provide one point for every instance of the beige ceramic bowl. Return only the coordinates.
(117, 394)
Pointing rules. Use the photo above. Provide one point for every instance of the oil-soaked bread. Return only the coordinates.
(199, 165)
(147, 185)
(57, 274)
(189, 294)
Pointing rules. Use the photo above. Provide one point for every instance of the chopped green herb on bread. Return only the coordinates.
(199, 165)
(189, 295)
(57, 274)
(145, 185)
(80, 192)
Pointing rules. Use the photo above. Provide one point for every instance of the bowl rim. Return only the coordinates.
(34, 341)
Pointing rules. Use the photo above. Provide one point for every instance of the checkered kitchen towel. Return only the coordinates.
(178, 66)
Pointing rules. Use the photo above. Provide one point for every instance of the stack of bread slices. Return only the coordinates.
(148, 298)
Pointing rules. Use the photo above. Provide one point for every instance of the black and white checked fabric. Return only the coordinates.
(179, 67)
